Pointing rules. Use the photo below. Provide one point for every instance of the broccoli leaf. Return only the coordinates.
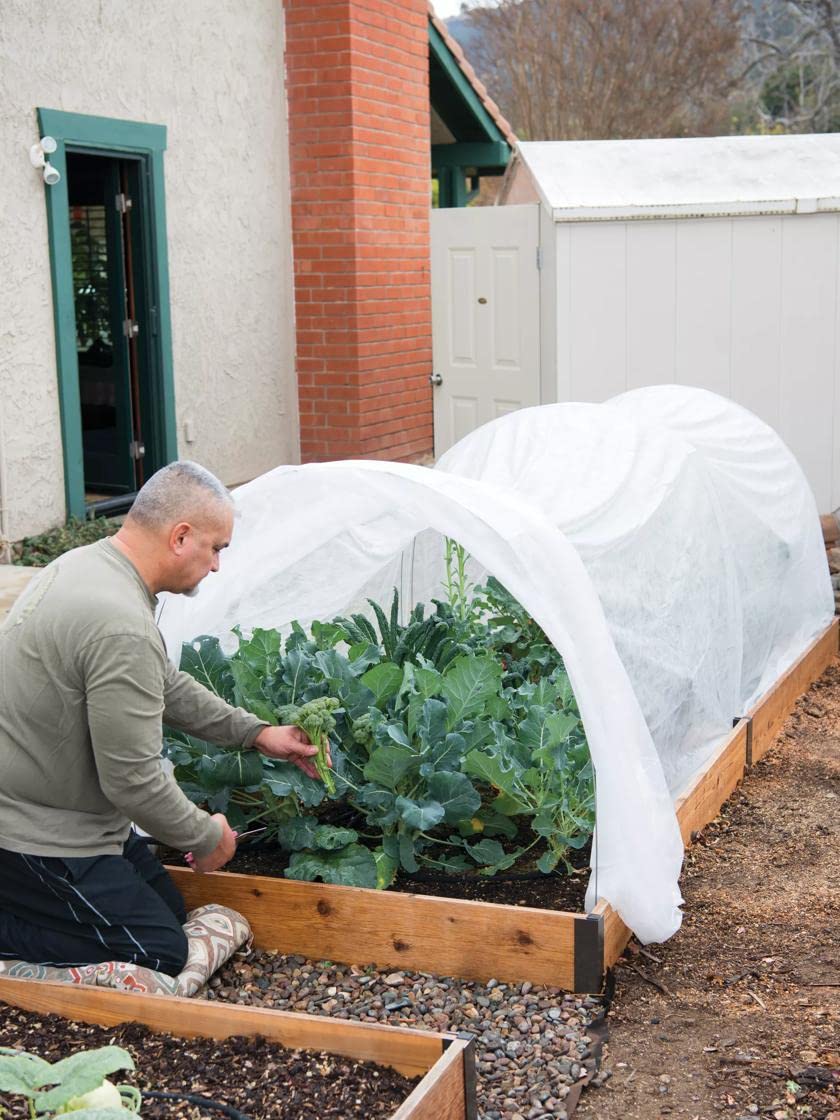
(384, 681)
(353, 866)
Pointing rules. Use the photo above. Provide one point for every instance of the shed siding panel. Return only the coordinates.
(563, 283)
(598, 311)
(703, 305)
(651, 303)
(748, 307)
(809, 299)
(549, 309)
(757, 315)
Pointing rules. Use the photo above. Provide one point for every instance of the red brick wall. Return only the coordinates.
(358, 95)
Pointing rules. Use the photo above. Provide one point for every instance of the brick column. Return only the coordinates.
(358, 94)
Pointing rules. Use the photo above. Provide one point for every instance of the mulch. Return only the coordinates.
(738, 1015)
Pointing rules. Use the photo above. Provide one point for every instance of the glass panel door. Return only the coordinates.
(103, 286)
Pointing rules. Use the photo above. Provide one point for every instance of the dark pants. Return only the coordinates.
(83, 911)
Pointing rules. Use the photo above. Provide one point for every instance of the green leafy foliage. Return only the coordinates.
(36, 552)
(77, 1084)
(447, 732)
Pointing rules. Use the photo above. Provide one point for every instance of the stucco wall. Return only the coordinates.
(212, 72)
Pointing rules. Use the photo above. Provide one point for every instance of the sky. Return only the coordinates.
(447, 8)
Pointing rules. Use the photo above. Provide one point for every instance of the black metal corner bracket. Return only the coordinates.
(589, 953)
(748, 760)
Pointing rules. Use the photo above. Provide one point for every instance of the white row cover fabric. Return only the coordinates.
(666, 541)
(312, 541)
(699, 532)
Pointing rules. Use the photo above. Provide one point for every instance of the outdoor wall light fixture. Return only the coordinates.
(38, 157)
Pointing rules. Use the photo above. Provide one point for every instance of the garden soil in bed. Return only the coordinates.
(261, 1079)
(746, 1019)
(558, 891)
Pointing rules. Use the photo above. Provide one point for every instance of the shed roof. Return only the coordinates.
(602, 179)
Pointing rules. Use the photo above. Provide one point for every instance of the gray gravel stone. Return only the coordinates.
(532, 1041)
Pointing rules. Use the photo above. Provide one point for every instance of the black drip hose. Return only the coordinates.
(200, 1102)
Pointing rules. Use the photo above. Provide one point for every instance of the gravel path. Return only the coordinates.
(532, 1043)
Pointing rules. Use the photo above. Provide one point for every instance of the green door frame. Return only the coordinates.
(107, 136)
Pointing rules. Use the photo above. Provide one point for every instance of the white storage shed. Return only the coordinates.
(709, 262)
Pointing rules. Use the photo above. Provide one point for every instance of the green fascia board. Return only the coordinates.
(104, 132)
(64, 315)
(159, 236)
(461, 86)
(470, 154)
(75, 130)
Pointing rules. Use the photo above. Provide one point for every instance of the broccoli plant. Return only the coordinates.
(447, 733)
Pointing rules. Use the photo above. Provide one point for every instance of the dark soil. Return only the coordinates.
(558, 891)
(738, 1015)
(261, 1079)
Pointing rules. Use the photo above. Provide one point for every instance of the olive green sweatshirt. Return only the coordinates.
(85, 686)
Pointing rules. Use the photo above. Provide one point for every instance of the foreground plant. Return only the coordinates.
(77, 1084)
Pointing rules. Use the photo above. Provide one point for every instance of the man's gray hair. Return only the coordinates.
(178, 492)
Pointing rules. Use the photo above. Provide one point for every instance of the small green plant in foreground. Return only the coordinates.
(77, 1084)
(37, 552)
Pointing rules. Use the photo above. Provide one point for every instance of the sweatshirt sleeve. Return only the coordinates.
(190, 707)
(124, 689)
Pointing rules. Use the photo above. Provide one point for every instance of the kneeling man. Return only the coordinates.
(85, 686)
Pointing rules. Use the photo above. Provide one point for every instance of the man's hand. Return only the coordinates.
(220, 855)
(289, 744)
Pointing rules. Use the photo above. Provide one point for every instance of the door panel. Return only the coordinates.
(485, 316)
(99, 300)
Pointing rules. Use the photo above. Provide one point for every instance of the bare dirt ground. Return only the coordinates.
(739, 1014)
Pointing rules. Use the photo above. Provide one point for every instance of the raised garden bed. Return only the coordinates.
(184, 1079)
(443, 1062)
(480, 940)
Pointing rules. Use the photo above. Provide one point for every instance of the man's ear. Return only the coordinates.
(178, 537)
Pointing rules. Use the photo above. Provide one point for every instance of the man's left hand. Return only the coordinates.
(289, 744)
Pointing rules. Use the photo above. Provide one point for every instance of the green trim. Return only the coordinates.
(116, 137)
(458, 79)
(102, 132)
(452, 187)
(64, 316)
(468, 153)
(160, 256)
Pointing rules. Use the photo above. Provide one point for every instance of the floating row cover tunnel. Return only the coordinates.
(666, 541)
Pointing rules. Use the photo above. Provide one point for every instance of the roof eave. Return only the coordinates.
(694, 210)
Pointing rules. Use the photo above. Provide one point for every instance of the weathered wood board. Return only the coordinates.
(447, 1092)
(451, 937)
(709, 788)
(772, 710)
(444, 1061)
(616, 934)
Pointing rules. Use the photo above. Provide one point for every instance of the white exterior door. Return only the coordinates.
(485, 316)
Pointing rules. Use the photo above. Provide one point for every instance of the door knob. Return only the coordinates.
(435, 379)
